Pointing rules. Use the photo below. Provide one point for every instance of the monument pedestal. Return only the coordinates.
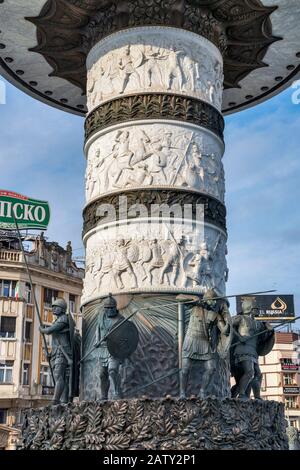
(162, 424)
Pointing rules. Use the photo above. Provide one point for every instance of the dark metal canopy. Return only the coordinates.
(44, 43)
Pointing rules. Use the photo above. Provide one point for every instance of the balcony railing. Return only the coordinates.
(10, 306)
(8, 349)
(6, 255)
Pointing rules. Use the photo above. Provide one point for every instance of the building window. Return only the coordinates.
(7, 288)
(45, 376)
(293, 423)
(28, 326)
(3, 416)
(49, 296)
(289, 379)
(6, 370)
(72, 303)
(7, 327)
(291, 402)
(28, 293)
(26, 369)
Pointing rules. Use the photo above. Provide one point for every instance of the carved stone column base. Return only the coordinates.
(166, 424)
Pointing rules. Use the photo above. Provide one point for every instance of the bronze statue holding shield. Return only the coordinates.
(116, 339)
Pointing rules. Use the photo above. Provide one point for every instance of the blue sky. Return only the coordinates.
(41, 156)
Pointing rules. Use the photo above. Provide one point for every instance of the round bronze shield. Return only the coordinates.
(122, 342)
(266, 342)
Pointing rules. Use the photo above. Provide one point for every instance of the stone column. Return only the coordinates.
(154, 135)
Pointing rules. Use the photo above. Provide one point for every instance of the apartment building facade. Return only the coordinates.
(25, 379)
(281, 375)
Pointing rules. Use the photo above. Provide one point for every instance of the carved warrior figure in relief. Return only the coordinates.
(159, 262)
(128, 69)
(174, 67)
(94, 171)
(65, 354)
(123, 156)
(194, 171)
(136, 158)
(252, 338)
(155, 64)
(153, 68)
(174, 262)
(96, 85)
(122, 263)
(202, 264)
(208, 335)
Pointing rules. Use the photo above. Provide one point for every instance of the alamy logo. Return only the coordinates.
(2, 92)
(296, 94)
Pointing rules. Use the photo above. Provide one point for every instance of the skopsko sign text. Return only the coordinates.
(29, 213)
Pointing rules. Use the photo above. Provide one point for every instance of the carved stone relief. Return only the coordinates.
(242, 30)
(155, 155)
(132, 260)
(155, 60)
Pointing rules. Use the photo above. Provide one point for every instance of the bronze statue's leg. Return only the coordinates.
(114, 379)
(209, 370)
(248, 390)
(234, 390)
(186, 367)
(256, 382)
(246, 379)
(59, 376)
(65, 394)
(104, 382)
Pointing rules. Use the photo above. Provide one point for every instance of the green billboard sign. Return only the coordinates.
(29, 213)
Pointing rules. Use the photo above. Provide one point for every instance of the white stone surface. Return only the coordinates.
(141, 261)
(155, 154)
(154, 59)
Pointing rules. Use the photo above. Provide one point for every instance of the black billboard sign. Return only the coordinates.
(291, 390)
(274, 308)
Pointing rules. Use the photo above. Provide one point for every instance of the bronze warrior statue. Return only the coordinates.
(65, 354)
(252, 338)
(208, 335)
(108, 318)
